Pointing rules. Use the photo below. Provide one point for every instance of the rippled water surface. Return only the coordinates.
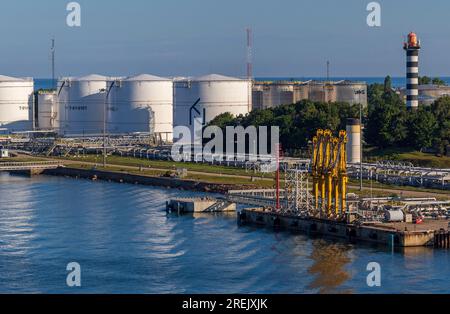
(125, 243)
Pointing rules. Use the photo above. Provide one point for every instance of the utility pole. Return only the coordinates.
(277, 178)
(328, 71)
(249, 54)
(52, 49)
(104, 121)
(104, 132)
(361, 148)
(249, 67)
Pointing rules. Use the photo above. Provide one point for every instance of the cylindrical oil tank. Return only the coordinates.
(82, 104)
(279, 93)
(16, 104)
(351, 92)
(143, 104)
(317, 91)
(212, 95)
(301, 92)
(394, 215)
(47, 110)
(258, 96)
(354, 141)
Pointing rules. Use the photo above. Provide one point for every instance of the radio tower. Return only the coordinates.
(249, 54)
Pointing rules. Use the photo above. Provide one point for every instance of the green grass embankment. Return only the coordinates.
(408, 155)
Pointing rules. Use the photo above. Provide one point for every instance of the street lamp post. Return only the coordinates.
(104, 122)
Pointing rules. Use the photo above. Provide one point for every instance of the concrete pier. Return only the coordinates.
(386, 234)
(199, 205)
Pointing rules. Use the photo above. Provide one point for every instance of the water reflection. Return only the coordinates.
(329, 263)
(126, 243)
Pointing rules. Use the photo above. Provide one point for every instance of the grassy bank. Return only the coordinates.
(238, 182)
(408, 155)
(220, 175)
(169, 165)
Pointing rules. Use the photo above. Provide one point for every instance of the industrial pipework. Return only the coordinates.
(329, 171)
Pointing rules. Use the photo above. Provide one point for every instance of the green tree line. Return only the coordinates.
(388, 123)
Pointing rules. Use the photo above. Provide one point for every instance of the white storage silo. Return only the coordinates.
(354, 140)
(142, 103)
(216, 94)
(81, 103)
(47, 110)
(16, 104)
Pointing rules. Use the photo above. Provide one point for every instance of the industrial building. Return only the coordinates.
(276, 93)
(142, 103)
(204, 98)
(16, 104)
(81, 104)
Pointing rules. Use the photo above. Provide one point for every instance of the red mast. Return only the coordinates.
(278, 176)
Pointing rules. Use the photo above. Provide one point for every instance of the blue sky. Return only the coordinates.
(193, 37)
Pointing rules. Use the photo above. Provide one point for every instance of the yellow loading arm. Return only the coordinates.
(329, 171)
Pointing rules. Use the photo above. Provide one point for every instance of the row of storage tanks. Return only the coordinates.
(272, 94)
(139, 104)
(148, 103)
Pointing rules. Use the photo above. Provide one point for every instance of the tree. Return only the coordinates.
(223, 120)
(386, 125)
(441, 110)
(438, 81)
(422, 127)
(387, 84)
(424, 80)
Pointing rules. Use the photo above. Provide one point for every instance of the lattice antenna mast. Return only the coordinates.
(52, 50)
(249, 54)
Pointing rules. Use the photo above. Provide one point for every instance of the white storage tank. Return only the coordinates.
(16, 103)
(47, 110)
(81, 103)
(142, 103)
(216, 94)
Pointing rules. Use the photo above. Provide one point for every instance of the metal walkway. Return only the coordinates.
(17, 166)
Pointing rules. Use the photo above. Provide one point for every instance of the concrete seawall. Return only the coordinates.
(342, 230)
(138, 179)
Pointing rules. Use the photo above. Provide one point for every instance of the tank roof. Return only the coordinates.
(91, 77)
(146, 77)
(4, 78)
(216, 77)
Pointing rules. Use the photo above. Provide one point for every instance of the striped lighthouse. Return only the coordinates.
(412, 48)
